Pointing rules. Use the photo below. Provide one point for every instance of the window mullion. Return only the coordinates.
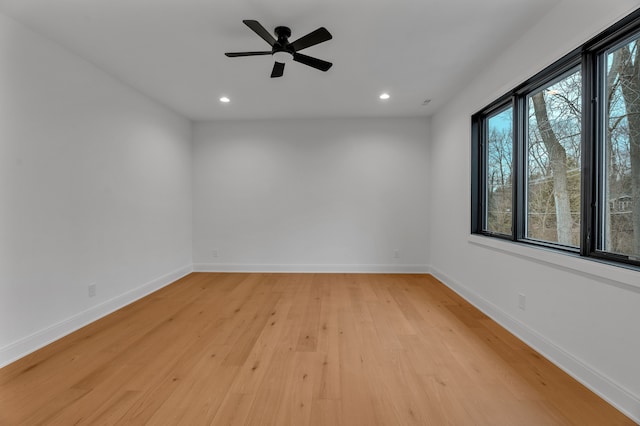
(591, 125)
(520, 161)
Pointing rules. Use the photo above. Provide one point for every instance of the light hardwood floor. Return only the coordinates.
(296, 349)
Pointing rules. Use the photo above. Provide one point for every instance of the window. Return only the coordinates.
(554, 116)
(620, 168)
(556, 162)
(498, 193)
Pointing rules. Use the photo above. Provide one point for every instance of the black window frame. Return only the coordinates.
(479, 132)
(589, 58)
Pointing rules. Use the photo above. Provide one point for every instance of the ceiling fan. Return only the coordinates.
(282, 50)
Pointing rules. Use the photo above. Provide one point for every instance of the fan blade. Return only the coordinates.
(260, 30)
(236, 54)
(278, 70)
(311, 39)
(312, 62)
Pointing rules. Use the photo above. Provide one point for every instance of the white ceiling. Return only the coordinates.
(173, 50)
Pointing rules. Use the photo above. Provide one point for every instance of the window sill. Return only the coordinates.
(619, 276)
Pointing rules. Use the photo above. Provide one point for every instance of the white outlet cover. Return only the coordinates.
(522, 301)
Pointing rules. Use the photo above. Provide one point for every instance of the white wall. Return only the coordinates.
(311, 195)
(95, 187)
(583, 315)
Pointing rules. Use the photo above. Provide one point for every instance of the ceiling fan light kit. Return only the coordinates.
(284, 51)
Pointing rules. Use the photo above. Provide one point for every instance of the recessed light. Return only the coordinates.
(225, 100)
(385, 96)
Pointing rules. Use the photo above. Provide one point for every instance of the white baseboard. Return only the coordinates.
(622, 399)
(39, 339)
(315, 268)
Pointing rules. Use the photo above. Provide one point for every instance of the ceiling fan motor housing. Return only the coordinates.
(282, 51)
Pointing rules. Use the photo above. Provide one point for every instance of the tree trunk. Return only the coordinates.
(629, 71)
(558, 159)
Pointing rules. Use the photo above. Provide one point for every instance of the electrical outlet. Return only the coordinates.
(92, 289)
(522, 302)
(214, 253)
(396, 254)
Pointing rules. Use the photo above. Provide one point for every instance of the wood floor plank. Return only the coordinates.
(296, 349)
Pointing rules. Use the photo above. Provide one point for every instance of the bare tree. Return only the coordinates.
(558, 162)
(499, 196)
